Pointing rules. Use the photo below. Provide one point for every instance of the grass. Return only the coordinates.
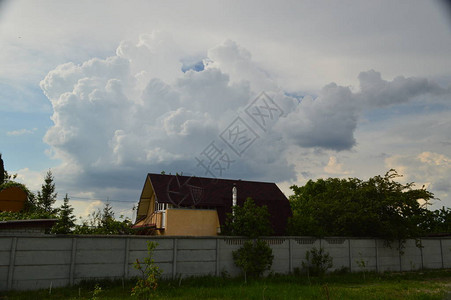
(407, 285)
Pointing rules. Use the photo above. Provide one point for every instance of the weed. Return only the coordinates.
(362, 265)
(150, 274)
(96, 293)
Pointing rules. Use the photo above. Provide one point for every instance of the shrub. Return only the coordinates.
(253, 258)
(317, 262)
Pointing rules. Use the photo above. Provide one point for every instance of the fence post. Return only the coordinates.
(377, 254)
(174, 258)
(349, 255)
(126, 256)
(12, 260)
(441, 253)
(421, 253)
(217, 256)
(290, 256)
(72, 261)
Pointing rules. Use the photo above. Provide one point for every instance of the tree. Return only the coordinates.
(4, 176)
(66, 218)
(437, 221)
(249, 220)
(380, 207)
(254, 258)
(107, 215)
(2, 170)
(252, 221)
(47, 196)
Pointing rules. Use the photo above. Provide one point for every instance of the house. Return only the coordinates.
(198, 206)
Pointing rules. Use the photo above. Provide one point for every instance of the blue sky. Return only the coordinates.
(103, 92)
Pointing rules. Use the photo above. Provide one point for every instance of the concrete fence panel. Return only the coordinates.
(411, 256)
(362, 255)
(432, 253)
(446, 250)
(338, 249)
(388, 256)
(41, 261)
(281, 251)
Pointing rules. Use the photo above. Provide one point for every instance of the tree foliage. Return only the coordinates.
(437, 221)
(379, 207)
(104, 222)
(249, 220)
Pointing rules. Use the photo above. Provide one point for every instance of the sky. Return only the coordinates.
(103, 92)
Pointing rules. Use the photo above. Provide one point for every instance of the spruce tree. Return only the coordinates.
(66, 218)
(47, 196)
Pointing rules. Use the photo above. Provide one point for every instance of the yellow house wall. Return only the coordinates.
(191, 222)
(12, 199)
(146, 204)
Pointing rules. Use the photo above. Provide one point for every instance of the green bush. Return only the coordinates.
(317, 262)
(253, 258)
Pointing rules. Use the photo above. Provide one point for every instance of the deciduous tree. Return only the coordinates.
(379, 207)
(248, 220)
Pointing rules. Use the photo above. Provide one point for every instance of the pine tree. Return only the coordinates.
(47, 196)
(66, 218)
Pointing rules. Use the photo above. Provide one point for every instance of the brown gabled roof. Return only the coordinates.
(187, 191)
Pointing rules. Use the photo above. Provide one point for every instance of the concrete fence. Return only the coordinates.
(35, 262)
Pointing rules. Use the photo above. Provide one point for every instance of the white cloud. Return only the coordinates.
(21, 132)
(334, 167)
(32, 179)
(378, 92)
(88, 209)
(327, 122)
(433, 170)
(330, 120)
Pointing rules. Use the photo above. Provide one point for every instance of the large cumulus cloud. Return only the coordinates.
(117, 118)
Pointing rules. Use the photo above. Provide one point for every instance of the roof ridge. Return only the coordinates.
(212, 178)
